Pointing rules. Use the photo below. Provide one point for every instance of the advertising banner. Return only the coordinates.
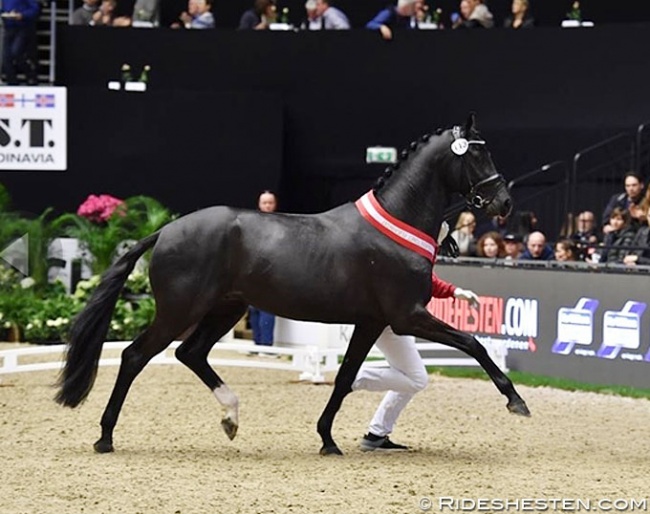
(33, 128)
(582, 325)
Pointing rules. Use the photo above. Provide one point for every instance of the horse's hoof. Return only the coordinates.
(103, 447)
(519, 407)
(330, 450)
(229, 427)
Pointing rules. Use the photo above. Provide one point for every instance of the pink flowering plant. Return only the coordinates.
(102, 223)
(99, 208)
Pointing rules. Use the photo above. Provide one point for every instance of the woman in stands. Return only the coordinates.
(491, 246)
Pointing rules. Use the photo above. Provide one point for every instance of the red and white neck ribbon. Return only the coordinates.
(398, 231)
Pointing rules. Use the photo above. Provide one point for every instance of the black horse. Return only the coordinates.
(339, 266)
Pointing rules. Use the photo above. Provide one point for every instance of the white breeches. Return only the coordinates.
(405, 377)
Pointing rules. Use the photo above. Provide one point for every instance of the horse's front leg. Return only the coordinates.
(363, 338)
(423, 324)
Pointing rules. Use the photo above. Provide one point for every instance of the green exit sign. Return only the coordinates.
(381, 154)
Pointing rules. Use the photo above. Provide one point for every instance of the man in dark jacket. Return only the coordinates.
(19, 50)
(628, 201)
(537, 249)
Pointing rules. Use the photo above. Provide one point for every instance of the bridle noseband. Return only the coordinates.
(460, 146)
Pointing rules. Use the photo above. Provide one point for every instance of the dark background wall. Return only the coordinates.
(229, 113)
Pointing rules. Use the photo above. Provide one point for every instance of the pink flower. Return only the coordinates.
(99, 208)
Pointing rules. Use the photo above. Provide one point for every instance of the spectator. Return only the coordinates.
(461, 20)
(198, 15)
(496, 224)
(84, 14)
(521, 17)
(479, 16)
(401, 16)
(19, 51)
(537, 249)
(262, 323)
(629, 200)
(585, 236)
(146, 13)
(263, 13)
(513, 246)
(491, 246)
(565, 250)
(522, 223)
(105, 16)
(464, 233)
(311, 21)
(330, 18)
(619, 237)
(640, 255)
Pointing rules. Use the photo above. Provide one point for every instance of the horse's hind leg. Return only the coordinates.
(427, 327)
(363, 338)
(134, 358)
(194, 354)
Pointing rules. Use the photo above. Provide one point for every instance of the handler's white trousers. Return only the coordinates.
(405, 377)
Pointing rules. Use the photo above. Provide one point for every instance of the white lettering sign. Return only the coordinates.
(33, 128)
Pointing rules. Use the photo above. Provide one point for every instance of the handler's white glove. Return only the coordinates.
(444, 230)
(467, 295)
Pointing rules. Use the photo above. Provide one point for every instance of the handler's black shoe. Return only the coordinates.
(372, 442)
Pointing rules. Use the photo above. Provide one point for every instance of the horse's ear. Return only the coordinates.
(470, 125)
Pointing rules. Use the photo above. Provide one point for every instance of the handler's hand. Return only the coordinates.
(467, 295)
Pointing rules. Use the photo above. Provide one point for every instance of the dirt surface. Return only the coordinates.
(172, 456)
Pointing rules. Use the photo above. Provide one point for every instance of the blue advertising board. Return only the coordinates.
(584, 325)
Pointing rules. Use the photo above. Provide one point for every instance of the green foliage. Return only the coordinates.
(100, 240)
(46, 316)
(38, 311)
(136, 219)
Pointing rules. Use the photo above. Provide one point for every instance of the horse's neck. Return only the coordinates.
(417, 198)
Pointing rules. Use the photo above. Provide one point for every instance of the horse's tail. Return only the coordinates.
(90, 327)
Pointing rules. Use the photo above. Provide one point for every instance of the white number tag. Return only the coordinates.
(460, 146)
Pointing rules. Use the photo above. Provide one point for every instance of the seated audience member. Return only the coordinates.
(464, 233)
(629, 200)
(459, 20)
(537, 249)
(522, 223)
(311, 20)
(513, 246)
(565, 250)
(521, 17)
(263, 13)
(619, 238)
(400, 16)
(585, 236)
(146, 12)
(198, 15)
(496, 224)
(105, 16)
(641, 240)
(84, 14)
(479, 16)
(491, 246)
(330, 18)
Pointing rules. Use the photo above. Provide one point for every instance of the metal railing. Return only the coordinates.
(598, 170)
(544, 191)
(642, 160)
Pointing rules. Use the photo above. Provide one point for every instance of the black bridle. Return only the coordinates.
(474, 197)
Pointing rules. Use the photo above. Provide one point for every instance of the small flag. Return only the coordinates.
(6, 100)
(44, 100)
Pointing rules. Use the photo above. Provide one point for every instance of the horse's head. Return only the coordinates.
(477, 179)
